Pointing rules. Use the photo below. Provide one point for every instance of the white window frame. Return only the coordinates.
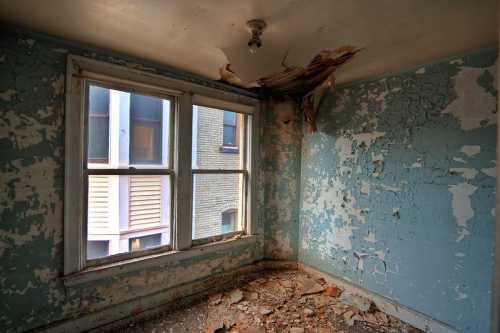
(183, 96)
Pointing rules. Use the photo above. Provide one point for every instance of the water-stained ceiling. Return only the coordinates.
(200, 36)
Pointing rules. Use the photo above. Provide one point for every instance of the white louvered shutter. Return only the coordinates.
(144, 202)
(98, 204)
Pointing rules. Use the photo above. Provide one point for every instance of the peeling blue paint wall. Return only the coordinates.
(32, 97)
(398, 188)
(281, 142)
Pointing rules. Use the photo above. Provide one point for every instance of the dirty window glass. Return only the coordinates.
(127, 212)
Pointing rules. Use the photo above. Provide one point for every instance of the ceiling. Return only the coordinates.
(200, 36)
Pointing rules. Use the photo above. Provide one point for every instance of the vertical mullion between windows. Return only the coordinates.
(182, 227)
(244, 151)
(253, 151)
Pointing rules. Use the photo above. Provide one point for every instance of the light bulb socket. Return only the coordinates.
(255, 27)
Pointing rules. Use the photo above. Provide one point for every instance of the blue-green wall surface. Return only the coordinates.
(398, 188)
(280, 160)
(32, 292)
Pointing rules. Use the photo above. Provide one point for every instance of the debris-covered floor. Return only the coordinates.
(280, 301)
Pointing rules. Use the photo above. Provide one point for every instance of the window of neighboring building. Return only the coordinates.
(227, 221)
(98, 124)
(229, 132)
(97, 249)
(146, 129)
(144, 242)
(140, 147)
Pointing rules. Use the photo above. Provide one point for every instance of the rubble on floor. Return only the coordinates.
(280, 301)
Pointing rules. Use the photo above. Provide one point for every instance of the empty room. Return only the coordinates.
(249, 166)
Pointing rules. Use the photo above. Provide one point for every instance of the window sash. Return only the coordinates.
(152, 169)
(182, 95)
(246, 137)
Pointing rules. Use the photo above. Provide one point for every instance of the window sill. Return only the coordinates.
(229, 149)
(112, 270)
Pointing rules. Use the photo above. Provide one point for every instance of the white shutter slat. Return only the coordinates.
(98, 203)
(144, 202)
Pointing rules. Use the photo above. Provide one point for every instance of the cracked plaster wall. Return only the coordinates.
(32, 68)
(280, 159)
(398, 188)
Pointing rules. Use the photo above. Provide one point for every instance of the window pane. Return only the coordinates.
(229, 136)
(122, 209)
(216, 145)
(97, 249)
(144, 242)
(146, 134)
(229, 118)
(127, 129)
(228, 222)
(215, 195)
(98, 100)
(98, 137)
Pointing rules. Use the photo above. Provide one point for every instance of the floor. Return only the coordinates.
(277, 301)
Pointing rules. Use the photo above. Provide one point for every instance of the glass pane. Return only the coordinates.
(217, 135)
(128, 212)
(98, 100)
(215, 198)
(230, 118)
(97, 249)
(146, 135)
(127, 129)
(229, 136)
(98, 138)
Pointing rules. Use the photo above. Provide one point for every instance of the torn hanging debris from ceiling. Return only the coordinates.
(305, 85)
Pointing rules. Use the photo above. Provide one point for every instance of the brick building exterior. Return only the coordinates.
(216, 199)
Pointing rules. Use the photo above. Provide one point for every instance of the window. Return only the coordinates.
(120, 207)
(144, 242)
(140, 147)
(219, 180)
(97, 249)
(98, 124)
(229, 133)
(227, 221)
(146, 124)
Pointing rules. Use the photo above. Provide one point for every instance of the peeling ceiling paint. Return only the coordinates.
(201, 36)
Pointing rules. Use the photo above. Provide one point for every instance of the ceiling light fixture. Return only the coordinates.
(255, 27)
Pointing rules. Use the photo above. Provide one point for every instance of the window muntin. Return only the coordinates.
(127, 197)
(219, 179)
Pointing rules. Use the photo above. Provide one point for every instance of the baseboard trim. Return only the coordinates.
(391, 307)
